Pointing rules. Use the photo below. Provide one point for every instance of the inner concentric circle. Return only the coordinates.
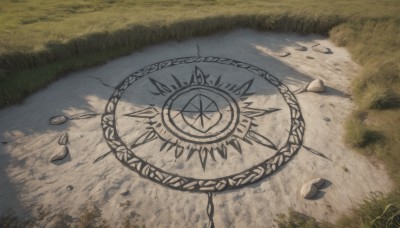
(200, 114)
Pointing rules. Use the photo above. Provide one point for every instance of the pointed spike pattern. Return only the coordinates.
(201, 78)
(192, 79)
(235, 144)
(212, 154)
(203, 157)
(252, 135)
(178, 83)
(191, 152)
(145, 138)
(243, 88)
(84, 116)
(178, 151)
(217, 81)
(164, 145)
(222, 151)
(162, 89)
(102, 156)
(255, 112)
(149, 112)
(172, 146)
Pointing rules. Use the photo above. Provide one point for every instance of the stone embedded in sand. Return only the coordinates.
(308, 190)
(327, 119)
(284, 54)
(318, 182)
(321, 49)
(125, 192)
(56, 120)
(300, 48)
(316, 86)
(60, 154)
(309, 57)
(69, 188)
(63, 140)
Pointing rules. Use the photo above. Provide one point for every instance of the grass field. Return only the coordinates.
(41, 41)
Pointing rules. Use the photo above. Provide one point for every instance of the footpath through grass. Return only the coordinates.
(42, 40)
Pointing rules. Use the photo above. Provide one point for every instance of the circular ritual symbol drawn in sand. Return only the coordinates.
(200, 114)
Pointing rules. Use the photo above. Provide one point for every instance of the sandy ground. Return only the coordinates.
(34, 186)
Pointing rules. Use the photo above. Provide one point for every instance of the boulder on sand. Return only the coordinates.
(60, 154)
(316, 86)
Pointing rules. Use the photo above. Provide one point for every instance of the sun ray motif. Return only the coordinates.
(195, 109)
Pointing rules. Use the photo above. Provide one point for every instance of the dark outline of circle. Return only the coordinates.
(273, 163)
(176, 94)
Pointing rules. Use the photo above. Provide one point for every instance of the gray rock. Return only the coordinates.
(316, 86)
(56, 120)
(318, 182)
(308, 191)
(284, 54)
(321, 49)
(60, 154)
(299, 47)
(63, 140)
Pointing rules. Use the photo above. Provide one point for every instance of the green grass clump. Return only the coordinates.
(296, 219)
(375, 211)
(91, 217)
(379, 97)
(378, 86)
(356, 133)
(373, 129)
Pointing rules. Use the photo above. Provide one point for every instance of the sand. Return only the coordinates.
(175, 125)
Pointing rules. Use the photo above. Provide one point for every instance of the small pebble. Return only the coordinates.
(300, 48)
(318, 182)
(125, 193)
(308, 191)
(69, 188)
(321, 49)
(63, 140)
(56, 120)
(316, 86)
(327, 119)
(60, 154)
(284, 54)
